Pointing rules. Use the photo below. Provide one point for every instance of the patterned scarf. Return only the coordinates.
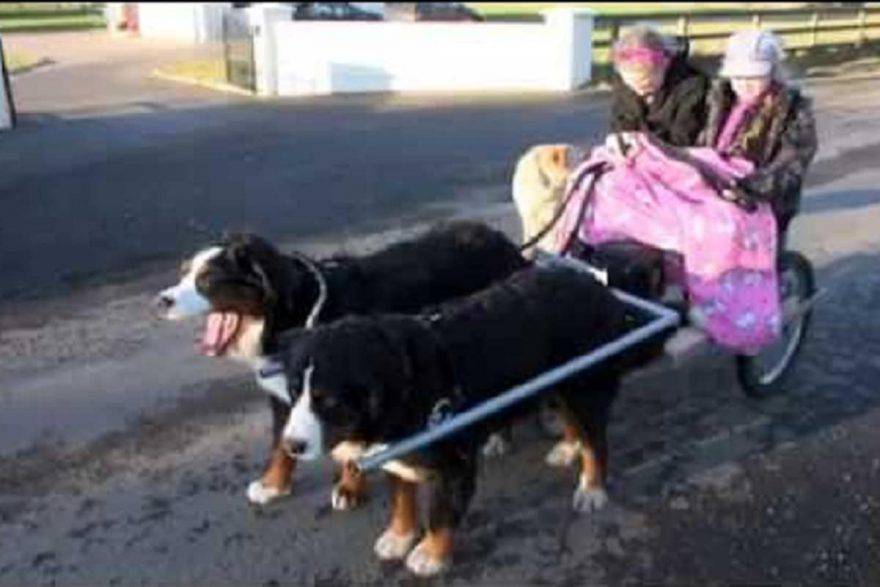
(753, 129)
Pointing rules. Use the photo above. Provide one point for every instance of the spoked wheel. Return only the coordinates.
(764, 374)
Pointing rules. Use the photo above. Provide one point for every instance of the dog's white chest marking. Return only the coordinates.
(303, 425)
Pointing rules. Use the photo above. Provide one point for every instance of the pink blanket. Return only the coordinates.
(729, 254)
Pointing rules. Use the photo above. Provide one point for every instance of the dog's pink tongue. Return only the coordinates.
(219, 330)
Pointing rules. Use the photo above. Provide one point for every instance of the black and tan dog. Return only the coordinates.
(250, 292)
(370, 381)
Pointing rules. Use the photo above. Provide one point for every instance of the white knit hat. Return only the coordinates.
(751, 53)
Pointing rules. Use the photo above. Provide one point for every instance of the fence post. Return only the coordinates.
(683, 25)
(615, 31)
(814, 25)
(863, 23)
(570, 33)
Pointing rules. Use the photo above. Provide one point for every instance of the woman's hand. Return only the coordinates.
(736, 195)
(620, 146)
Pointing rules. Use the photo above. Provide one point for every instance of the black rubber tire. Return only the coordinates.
(749, 370)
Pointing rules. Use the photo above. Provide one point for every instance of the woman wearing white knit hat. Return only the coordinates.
(754, 113)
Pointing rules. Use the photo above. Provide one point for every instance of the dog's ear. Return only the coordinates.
(245, 252)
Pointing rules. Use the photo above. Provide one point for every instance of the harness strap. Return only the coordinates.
(313, 268)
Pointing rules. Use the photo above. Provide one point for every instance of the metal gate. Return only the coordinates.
(238, 50)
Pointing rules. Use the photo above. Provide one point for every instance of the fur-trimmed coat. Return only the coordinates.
(782, 150)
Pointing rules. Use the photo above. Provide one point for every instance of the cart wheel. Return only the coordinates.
(764, 374)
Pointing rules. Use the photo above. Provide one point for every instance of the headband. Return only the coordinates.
(639, 56)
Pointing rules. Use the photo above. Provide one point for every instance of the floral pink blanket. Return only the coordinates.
(729, 254)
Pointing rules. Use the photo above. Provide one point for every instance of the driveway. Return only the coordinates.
(95, 73)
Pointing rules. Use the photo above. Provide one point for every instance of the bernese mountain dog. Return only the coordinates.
(367, 381)
(250, 292)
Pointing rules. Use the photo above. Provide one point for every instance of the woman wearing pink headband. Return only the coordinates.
(655, 90)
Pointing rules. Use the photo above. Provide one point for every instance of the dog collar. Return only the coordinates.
(271, 367)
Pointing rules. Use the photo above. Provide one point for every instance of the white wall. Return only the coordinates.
(195, 22)
(315, 58)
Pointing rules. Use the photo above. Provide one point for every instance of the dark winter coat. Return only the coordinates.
(677, 113)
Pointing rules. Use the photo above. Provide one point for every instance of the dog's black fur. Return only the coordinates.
(449, 261)
(251, 276)
(378, 379)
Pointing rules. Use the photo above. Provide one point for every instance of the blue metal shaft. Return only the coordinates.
(665, 318)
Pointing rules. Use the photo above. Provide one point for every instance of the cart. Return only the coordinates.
(635, 276)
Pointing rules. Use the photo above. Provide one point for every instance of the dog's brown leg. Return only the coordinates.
(565, 452)
(594, 463)
(351, 489)
(433, 554)
(398, 538)
(451, 491)
(275, 481)
(590, 494)
(279, 470)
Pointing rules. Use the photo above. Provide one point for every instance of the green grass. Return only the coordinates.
(45, 7)
(30, 22)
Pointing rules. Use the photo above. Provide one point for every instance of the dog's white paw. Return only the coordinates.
(423, 564)
(496, 446)
(587, 501)
(259, 494)
(343, 500)
(563, 454)
(391, 546)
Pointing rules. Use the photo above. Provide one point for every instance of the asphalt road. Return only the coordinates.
(124, 458)
(87, 197)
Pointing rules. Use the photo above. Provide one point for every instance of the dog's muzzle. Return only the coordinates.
(163, 302)
(295, 447)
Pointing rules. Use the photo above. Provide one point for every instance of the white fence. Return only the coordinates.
(319, 58)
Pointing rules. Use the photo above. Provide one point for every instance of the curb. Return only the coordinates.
(217, 86)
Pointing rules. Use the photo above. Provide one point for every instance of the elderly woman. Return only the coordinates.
(655, 90)
(720, 206)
